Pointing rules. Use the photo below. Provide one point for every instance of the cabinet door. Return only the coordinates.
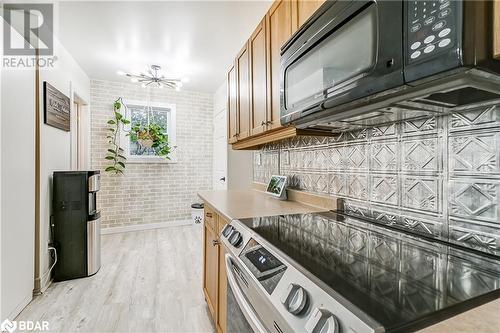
(258, 79)
(303, 10)
(211, 262)
(232, 108)
(496, 29)
(243, 92)
(279, 27)
(222, 284)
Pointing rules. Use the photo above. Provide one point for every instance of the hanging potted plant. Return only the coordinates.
(151, 136)
(115, 152)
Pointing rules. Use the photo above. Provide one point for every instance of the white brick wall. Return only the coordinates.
(152, 193)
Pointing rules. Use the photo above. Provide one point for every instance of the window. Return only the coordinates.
(142, 114)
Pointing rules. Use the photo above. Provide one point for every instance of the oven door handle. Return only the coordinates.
(245, 307)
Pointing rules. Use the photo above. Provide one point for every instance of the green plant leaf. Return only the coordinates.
(111, 122)
(110, 168)
(112, 151)
(121, 164)
(125, 121)
(121, 156)
(110, 157)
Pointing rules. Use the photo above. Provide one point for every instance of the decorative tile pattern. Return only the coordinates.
(384, 189)
(420, 155)
(475, 154)
(384, 156)
(421, 193)
(438, 176)
(484, 117)
(476, 200)
(478, 235)
(356, 157)
(357, 186)
(420, 126)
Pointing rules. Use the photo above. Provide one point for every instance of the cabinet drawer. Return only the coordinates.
(210, 218)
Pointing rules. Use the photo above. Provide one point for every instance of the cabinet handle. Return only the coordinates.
(209, 215)
(263, 123)
(269, 122)
(215, 242)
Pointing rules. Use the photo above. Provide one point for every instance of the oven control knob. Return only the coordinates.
(322, 321)
(235, 238)
(295, 299)
(227, 230)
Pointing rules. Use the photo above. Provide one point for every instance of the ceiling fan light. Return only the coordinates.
(134, 80)
(160, 85)
(177, 88)
(179, 84)
(121, 73)
(185, 80)
(143, 85)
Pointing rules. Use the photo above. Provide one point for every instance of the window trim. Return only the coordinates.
(171, 130)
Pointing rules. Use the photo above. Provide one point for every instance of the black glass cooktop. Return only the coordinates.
(400, 280)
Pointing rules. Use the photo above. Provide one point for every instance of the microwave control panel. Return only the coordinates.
(431, 28)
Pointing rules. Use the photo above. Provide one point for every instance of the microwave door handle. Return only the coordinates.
(245, 307)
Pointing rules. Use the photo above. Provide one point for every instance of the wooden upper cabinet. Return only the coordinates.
(258, 79)
(232, 107)
(279, 29)
(303, 10)
(243, 92)
(496, 29)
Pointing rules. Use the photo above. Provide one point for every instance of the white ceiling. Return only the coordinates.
(193, 39)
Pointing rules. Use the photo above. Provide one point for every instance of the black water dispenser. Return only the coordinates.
(76, 224)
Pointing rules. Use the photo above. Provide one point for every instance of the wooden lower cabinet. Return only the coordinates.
(211, 262)
(214, 270)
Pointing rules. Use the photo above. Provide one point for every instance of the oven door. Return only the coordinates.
(241, 316)
(347, 50)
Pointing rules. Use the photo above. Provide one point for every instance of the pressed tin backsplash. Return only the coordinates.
(438, 176)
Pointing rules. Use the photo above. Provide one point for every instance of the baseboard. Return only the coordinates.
(148, 226)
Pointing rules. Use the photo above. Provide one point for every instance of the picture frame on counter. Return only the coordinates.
(56, 108)
(277, 187)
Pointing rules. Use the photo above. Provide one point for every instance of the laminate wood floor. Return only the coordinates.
(149, 281)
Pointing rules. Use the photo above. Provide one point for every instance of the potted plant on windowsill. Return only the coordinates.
(151, 136)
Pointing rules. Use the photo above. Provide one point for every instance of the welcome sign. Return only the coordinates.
(56, 108)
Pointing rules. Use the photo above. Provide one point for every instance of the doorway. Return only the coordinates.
(80, 134)
(220, 140)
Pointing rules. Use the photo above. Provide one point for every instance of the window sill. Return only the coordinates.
(150, 160)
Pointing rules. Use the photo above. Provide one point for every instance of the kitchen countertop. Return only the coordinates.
(232, 204)
(482, 319)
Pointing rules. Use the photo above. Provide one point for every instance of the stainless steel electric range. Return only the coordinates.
(327, 272)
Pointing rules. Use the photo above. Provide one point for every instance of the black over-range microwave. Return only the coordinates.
(358, 63)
